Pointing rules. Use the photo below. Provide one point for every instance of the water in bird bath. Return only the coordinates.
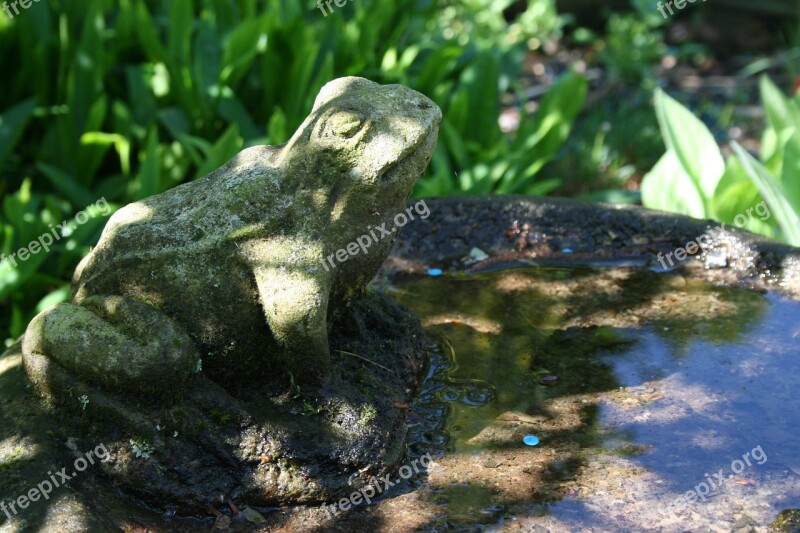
(659, 401)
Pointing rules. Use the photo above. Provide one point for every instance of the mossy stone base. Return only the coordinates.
(271, 444)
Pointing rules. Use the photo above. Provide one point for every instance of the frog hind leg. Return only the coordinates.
(120, 344)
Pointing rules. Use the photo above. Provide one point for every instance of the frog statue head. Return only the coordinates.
(375, 141)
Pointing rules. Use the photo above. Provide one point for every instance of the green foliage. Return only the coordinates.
(489, 163)
(693, 178)
(123, 99)
(482, 21)
(648, 11)
(600, 162)
(633, 44)
(26, 217)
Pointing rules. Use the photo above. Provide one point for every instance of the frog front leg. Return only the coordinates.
(295, 303)
(114, 342)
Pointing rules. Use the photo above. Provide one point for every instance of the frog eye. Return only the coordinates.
(345, 123)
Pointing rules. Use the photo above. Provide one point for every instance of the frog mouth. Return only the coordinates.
(401, 170)
(393, 173)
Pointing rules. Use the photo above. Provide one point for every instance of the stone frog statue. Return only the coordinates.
(227, 274)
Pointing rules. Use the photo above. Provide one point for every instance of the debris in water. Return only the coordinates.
(251, 515)
(549, 380)
(476, 255)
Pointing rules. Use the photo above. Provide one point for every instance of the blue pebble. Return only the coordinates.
(434, 272)
(530, 440)
(567, 250)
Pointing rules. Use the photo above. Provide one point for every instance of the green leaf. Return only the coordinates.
(140, 97)
(457, 114)
(120, 143)
(233, 110)
(735, 193)
(12, 124)
(441, 180)
(58, 296)
(481, 80)
(18, 320)
(539, 139)
(790, 177)
(455, 144)
(20, 211)
(542, 187)
(693, 145)
(148, 180)
(773, 193)
(66, 185)
(436, 65)
(181, 20)
(781, 112)
(85, 235)
(86, 100)
(556, 113)
(148, 34)
(277, 130)
(226, 147)
(241, 48)
(176, 123)
(669, 188)
(773, 145)
(12, 277)
(205, 73)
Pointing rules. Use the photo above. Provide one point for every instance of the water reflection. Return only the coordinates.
(637, 383)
